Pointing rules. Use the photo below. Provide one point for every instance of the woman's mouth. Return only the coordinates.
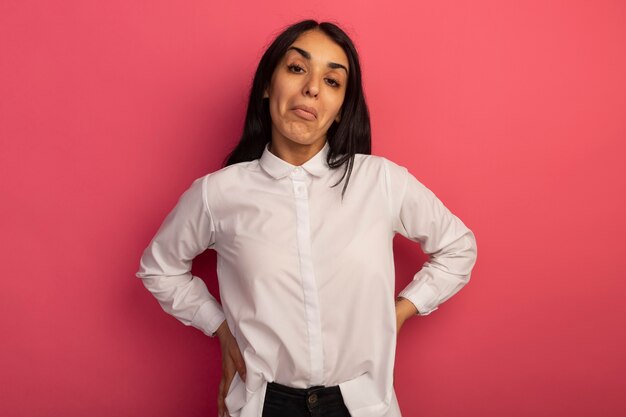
(305, 112)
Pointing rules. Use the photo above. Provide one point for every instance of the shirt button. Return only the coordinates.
(299, 189)
(312, 398)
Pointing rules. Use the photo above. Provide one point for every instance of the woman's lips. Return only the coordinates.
(308, 113)
(304, 114)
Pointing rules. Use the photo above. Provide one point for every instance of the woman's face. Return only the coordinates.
(307, 89)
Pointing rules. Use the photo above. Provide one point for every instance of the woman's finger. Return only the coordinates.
(220, 400)
(228, 372)
(227, 380)
(222, 410)
(221, 406)
(240, 364)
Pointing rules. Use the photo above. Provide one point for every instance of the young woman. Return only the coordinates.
(308, 317)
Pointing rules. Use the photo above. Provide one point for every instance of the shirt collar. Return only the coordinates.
(279, 168)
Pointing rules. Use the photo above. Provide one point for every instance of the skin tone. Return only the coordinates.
(312, 73)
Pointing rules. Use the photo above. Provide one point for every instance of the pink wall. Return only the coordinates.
(514, 113)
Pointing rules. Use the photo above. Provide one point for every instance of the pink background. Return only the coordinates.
(513, 113)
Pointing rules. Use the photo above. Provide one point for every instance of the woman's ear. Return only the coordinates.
(266, 94)
(338, 118)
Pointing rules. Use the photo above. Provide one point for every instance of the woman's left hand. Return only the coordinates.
(404, 310)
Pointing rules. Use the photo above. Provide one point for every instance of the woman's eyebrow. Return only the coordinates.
(307, 55)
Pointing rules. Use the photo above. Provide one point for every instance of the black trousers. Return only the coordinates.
(317, 401)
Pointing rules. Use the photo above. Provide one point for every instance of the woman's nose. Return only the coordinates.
(311, 87)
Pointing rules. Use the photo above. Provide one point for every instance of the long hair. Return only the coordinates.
(349, 136)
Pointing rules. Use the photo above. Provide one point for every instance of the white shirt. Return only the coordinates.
(306, 281)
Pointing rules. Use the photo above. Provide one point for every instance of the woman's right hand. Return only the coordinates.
(232, 362)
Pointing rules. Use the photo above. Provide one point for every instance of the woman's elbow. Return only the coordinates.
(470, 253)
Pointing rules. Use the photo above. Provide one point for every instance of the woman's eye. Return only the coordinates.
(295, 68)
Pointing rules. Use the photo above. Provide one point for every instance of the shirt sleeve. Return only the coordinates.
(165, 266)
(421, 217)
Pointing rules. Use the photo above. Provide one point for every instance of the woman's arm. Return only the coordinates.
(404, 310)
(420, 216)
(165, 267)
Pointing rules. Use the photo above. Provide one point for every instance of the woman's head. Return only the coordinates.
(307, 89)
(278, 86)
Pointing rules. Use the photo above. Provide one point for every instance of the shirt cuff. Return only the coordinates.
(422, 296)
(208, 317)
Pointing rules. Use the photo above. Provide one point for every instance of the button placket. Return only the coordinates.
(299, 184)
(309, 285)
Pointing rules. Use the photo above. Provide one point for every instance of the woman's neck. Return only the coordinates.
(295, 153)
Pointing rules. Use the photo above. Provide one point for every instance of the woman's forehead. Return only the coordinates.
(315, 45)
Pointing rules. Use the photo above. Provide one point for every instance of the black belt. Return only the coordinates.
(312, 396)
